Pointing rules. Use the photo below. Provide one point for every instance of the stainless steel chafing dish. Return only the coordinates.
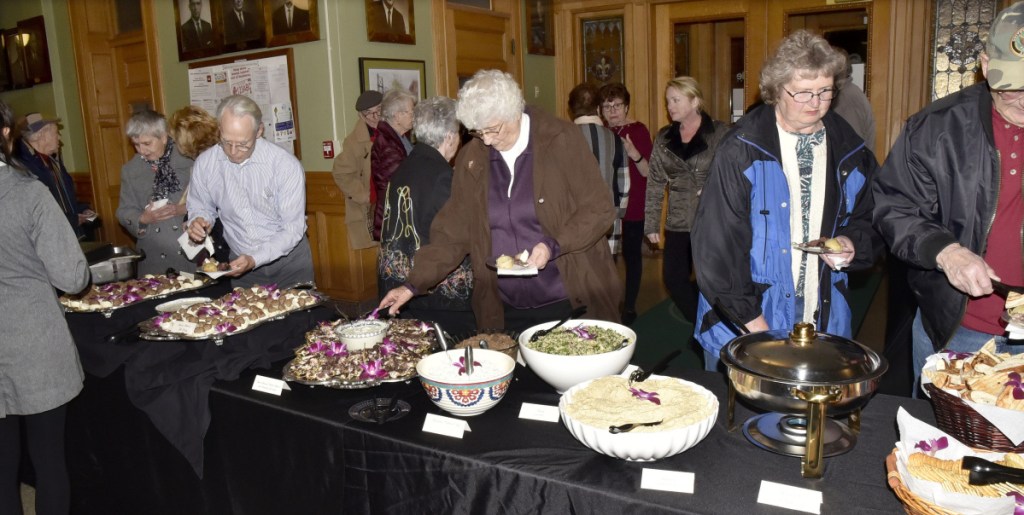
(109, 263)
(800, 377)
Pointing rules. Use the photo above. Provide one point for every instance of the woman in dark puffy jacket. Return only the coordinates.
(390, 146)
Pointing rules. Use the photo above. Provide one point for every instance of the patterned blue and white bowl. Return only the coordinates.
(458, 393)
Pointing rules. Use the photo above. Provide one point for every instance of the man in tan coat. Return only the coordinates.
(352, 171)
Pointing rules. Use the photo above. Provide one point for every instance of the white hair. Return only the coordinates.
(490, 96)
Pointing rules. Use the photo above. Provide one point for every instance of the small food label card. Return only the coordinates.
(445, 426)
(791, 497)
(269, 385)
(667, 481)
(539, 412)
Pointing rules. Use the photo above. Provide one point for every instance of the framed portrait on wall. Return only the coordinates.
(386, 74)
(242, 25)
(198, 36)
(14, 54)
(291, 21)
(542, 27)
(390, 21)
(602, 47)
(37, 52)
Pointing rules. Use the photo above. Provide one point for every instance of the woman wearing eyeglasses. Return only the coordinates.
(637, 141)
(152, 185)
(680, 160)
(528, 181)
(790, 171)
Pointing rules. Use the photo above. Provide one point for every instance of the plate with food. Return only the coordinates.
(109, 297)
(213, 268)
(828, 246)
(516, 265)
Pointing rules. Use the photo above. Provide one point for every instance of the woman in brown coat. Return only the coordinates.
(554, 205)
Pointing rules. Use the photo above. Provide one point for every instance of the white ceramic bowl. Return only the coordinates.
(563, 372)
(464, 395)
(362, 334)
(634, 446)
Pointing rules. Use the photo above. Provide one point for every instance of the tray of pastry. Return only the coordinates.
(324, 361)
(110, 297)
(240, 311)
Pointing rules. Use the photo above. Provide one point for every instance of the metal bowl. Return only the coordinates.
(765, 368)
(109, 264)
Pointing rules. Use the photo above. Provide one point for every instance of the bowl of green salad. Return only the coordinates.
(579, 350)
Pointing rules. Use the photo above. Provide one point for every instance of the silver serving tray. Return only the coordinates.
(108, 312)
(149, 331)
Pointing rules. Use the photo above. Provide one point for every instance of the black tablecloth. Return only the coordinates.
(302, 453)
(170, 380)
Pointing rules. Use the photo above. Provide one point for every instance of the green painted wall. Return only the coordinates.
(326, 71)
(539, 75)
(59, 98)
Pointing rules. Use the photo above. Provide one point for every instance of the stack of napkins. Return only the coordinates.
(192, 248)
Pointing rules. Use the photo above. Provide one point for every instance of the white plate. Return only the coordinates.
(814, 249)
(214, 275)
(516, 270)
(174, 305)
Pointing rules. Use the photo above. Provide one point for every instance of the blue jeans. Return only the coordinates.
(712, 362)
(963, 340)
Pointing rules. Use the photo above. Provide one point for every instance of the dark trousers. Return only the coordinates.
(676, 268)
(519, 320)
(44, 437)
(633, 258)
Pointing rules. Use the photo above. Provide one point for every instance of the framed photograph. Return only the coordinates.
(242, 25)
(291, 21)
(542, 27)
(198, 36)
(602, 50)
(37, 53)
(387, 74)
(390, 21)
(14, 54)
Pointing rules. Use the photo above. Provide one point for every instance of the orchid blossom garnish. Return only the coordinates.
(337, 349)
(107, 288)
(957, 355)
(373, 370)
(1018, 501)
(930, 447)
(226, 327)
(317, 347)
(387, 346)
(582, 333)
(644, 395)
(462, 365)
(424, 327)
(1018, 387)
(373, 314)
(275, 294)
(161, 318)
(131, 298)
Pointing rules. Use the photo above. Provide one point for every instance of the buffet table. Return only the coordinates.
(302, 453)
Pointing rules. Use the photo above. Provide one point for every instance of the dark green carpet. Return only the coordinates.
(663, 328)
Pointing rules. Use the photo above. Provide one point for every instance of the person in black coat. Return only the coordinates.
(299, 19)
(418, 189)
(196, 33)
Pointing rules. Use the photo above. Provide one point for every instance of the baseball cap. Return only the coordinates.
(34, 122)
(1005, 49)
(368, 99)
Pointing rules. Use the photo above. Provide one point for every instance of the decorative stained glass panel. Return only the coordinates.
(602, 50)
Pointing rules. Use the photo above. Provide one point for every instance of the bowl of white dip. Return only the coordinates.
(443, 376)
(362, 334)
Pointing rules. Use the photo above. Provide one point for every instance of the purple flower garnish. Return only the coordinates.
(131, 298)
(387, 346)
(160, 319)
(462, 365)
(1018, 501)
(107, 288)
(337, 349)
(957, 355)
(582, 333)
(271, 287)
(373, 315)
(647, 396)
(930, 447)
(373, 370)
(424, 327)
(207, 311)
(226, 327)
(317, 347)
(275, 294)
(1018, 387)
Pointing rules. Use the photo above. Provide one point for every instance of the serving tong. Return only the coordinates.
(1003, 289)
(625, 428)
(984, 472)
(639, 375)
(576, 313)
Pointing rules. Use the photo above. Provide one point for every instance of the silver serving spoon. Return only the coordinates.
(625, 428)
(468, 358)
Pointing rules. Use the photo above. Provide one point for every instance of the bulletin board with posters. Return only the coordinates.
(266, 77)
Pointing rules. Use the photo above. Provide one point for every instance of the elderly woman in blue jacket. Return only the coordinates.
(789, 171)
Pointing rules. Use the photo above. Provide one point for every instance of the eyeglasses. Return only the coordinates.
(1011, 95)
(231, 146)
(480, 133)
(371, 113)
(618, 106)
(804, 97)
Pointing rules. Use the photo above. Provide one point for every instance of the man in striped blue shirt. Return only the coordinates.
(259, 192)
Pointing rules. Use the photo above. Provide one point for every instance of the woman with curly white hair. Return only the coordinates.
(529, 182)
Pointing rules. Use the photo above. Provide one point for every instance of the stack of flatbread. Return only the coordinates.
(985, 377)
(952, 478)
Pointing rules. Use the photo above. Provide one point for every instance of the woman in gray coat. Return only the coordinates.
(39, 368)
(159, 172)
(680, 161)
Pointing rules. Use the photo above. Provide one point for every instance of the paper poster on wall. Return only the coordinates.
(265, 77)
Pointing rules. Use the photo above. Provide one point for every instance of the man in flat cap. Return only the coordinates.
(352, 171)
(38, 149)
(948, 200)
